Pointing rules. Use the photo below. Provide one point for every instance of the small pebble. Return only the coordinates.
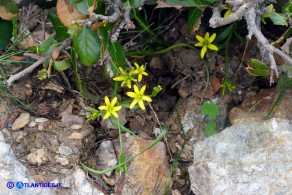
(40, 120)
(32, 124)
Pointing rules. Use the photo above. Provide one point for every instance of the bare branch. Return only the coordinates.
(29, 69)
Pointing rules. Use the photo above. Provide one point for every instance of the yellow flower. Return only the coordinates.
(125, 77)
(140, 71)
(110, 107)
(206, 43)
(139, 96)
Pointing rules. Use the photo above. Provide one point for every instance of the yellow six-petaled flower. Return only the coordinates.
(110, 107)
(206, 43)
(126, 77)
(140, 71)
(139, 96)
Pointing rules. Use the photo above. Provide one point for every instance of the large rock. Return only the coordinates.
(147, 173)
(12, 170)
(247, 158)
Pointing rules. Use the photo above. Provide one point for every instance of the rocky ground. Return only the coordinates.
(248, 155)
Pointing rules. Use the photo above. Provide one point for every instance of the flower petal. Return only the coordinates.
(200, 44)
(139, 77)
(199, 38)
(133, 104)
(107, 101)
(129, 84)
(117, 108)
(141, 104)
(114, 101)
(131, 94)
(212, 38)
(119, 78)
(147, 98)
(213, 47)
(137, 65)
(102, 107)
(136, 89)
(143, 89)
(106, 115)
(203, 51)
(227, 13)
(207, 36)
(115, 114)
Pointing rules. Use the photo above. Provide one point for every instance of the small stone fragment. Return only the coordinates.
(75, 126)
(21, 121)
(69, 120)
(76, 135)
(65, 150)
(40, 120)
(32, 124)
(38, 157)
(62, 160)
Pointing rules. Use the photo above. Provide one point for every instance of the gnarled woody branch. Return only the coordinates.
(247, 10)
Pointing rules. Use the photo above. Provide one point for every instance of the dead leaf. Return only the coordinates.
(55, 54)
(6, 14)
(213, 87)
(68, 14)
(92, 8)
(161, 4)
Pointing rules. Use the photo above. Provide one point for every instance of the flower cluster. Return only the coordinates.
(138, 96)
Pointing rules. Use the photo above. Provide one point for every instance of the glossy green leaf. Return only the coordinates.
(210, 109)
(278, 19)
(61, 65)
(6, 33)
(210, 128)
(59, 27)
(44, 47)
(194, 18)
(132, 4)
(118, 56)
(87, 45)
(258, 68)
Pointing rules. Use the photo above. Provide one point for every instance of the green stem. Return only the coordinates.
(208, 78)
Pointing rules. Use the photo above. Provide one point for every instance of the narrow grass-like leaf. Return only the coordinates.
(6, 32)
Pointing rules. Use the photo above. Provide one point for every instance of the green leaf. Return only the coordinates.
(194, 18)
(87, 45)
(6, 33)
(43, 74)
(61, 65)
(156, 141)
(83, 6)
(210, 128)
(59, 27)
(287, 68)
(210, 109)
(132, 4)
(258, 68)
(278, 19)
(191, 3)
(10, 5)
(118, 56)
(285, 83)
(44, 47)
(224, 34)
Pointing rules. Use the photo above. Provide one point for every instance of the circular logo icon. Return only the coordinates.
(19, 184)
(10, 185)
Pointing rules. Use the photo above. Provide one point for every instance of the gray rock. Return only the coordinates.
(12, 171)
(106, 156)
(247, 158)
